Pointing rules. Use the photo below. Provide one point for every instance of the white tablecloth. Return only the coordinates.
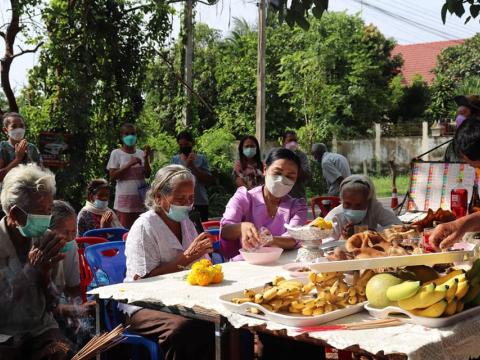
(458, 342)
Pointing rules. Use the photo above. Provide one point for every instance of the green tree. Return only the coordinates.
(455, 66)
(340, 75)
(90, 76)
(408, 102)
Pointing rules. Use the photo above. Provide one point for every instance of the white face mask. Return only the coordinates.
(17, 134)
(278, 185)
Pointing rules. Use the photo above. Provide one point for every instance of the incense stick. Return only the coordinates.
(101, 343)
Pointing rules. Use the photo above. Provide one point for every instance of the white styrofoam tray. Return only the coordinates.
(408, 317)
(294, 320)
(393, 261)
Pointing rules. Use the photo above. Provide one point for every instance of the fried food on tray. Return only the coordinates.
(370, 244)
(440, 216)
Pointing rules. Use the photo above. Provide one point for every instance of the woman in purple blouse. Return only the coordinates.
(267, 206)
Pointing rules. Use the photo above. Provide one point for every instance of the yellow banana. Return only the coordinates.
(307, 311)
(462, 289)
(452, 289)
(270, 293)
(249, 293)
(318, 311)
(241, 300)
(445, 278)
(460, 306)
(425, 297)
(435, 310)
(451, 308)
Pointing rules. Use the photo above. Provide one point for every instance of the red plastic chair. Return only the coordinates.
(86, 275)
(317, 201)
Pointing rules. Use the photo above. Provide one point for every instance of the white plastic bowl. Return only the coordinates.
(264, 255)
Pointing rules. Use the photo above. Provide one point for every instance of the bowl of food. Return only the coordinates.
(261, 256)
(311, 235)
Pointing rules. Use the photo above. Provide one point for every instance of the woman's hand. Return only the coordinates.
(347, 231)
(199, 247)
(250, 238)
(445, 235)
(106, 220)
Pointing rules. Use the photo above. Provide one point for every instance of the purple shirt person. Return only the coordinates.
(267, 206)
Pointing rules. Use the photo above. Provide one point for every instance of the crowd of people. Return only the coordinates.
(40, 295)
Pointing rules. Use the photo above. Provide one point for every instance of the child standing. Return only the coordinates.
(16, 150)
(129, 167)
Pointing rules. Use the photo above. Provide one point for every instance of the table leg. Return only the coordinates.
(228, 344)
(98, 314)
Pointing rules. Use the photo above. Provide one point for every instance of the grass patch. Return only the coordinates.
(383, 185)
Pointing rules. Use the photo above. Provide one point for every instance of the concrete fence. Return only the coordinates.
(375, 153)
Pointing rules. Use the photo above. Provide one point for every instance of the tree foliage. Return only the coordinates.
(456, 65)
(90, 76)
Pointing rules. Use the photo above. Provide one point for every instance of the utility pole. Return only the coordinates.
(260, 113)
(188, 48)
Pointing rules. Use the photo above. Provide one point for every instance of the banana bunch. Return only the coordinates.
(295, 297)
(445, 296)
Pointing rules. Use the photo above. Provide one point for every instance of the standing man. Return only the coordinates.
(304, 175)
(335, 167)
(198, 165)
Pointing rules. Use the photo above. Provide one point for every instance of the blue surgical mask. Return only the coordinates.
(100, 204)
(66, 248)
(249, 152)
(178, 213)
(35, 226)
(130, 140)
(355, 216)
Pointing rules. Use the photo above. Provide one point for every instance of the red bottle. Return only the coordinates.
(459, 200)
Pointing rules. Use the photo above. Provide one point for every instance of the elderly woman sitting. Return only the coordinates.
(27, 255)
(164, 240)
(359, 207)
(71, 314)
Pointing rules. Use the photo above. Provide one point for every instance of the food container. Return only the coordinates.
(261, 256)
(394, 261)
(294, 320)
(408, 317)
(308, 236)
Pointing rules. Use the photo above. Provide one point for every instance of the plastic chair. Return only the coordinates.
(115, 267)
(213, 229)
(86, 275)
(111, 234)
(317, 201)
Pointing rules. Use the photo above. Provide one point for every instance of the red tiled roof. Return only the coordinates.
(421, 58)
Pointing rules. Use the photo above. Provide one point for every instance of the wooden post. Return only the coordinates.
(260, 112)
(188, 47)
(425, 140)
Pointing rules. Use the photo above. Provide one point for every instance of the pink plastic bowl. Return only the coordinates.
(264, 255)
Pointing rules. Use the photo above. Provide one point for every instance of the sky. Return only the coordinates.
(407, 21)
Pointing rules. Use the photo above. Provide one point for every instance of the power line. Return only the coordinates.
(403, 19)
(414, 11)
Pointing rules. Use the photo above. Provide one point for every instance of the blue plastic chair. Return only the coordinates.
(111, 234)
(114, 267)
